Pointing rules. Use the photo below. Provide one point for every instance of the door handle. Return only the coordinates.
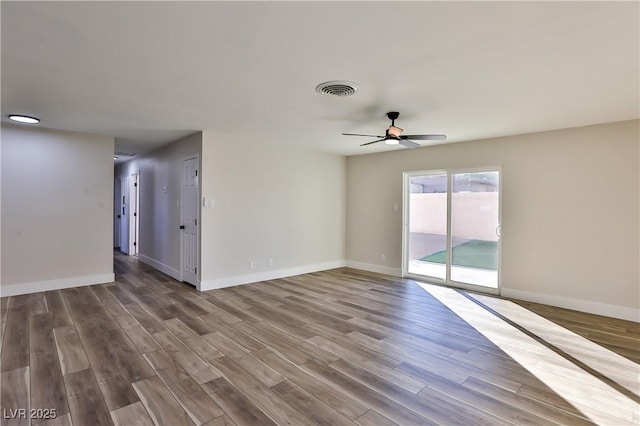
(181, 226)
(499, 231)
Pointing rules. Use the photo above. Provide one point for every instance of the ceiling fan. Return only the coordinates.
(393, 135)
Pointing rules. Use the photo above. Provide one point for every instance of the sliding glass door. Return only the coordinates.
(451, 227)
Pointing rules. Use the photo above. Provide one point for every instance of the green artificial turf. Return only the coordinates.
(474, 253)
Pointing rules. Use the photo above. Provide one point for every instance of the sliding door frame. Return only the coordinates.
(406, 187)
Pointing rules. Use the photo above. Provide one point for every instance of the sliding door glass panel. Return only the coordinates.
(474, 228)
(427, 239)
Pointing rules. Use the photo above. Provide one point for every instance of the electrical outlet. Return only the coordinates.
(252, 264)
(270, 262)
(383, 257)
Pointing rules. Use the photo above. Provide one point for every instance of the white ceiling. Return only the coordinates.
(150, 72)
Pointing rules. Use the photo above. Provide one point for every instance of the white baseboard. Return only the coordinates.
(173, 273)
(597, 308)
(386, 270)
(58, 284)
(267, 275)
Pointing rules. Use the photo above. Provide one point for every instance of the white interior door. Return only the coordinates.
(117, 213)
(189, 203)
(133, 215)
(124, 214)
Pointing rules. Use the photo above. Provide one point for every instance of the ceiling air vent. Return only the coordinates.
(337, 88)
(124, 154)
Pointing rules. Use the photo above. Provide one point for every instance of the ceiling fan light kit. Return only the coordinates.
(392, 141)
(393, 135)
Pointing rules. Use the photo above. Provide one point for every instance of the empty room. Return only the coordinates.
(320, 213)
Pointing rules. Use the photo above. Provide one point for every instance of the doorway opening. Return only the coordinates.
(452, 227)
(128, 215)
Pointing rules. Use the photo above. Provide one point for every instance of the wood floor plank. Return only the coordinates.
(330, 337)
(261, 396)
(441, 412)
(4, 309)
(257, 368)
(276, 340)
(129, 359)
(526, 404)
(229, 309)
(319, 412)
(47, 385)
(549, 397)
(331, 396)
(37, 303)
(160, 403)
(64, 420)
(186, 303)
(405, 381)
(85, 399)
(237, 406)
(196, 324)
(372, 418)
(131, 415)
(293, 348)
(15, 345)
(141, 338)
(151, 324)
(281, 320)
(197, 404)
(199, 370)
(15, 397)
(235, 333)
(58, 309)
(70, 351)
(192, 340)
(221, 421)
(94, 325)
(379, 402)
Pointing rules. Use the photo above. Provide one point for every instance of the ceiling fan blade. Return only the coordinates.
(369, 143)
(409, 144)
(425, 137)
(357, 134)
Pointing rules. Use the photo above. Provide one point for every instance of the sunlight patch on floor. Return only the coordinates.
(608, 363)
(594, 398)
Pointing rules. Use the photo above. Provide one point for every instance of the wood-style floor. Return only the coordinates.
(335, 348)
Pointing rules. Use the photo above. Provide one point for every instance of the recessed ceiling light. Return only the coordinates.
(115, 158)
(25, 119)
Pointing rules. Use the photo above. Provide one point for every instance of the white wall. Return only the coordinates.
(561, 245)
(280, 203)
(159, 212)
(57, 207)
